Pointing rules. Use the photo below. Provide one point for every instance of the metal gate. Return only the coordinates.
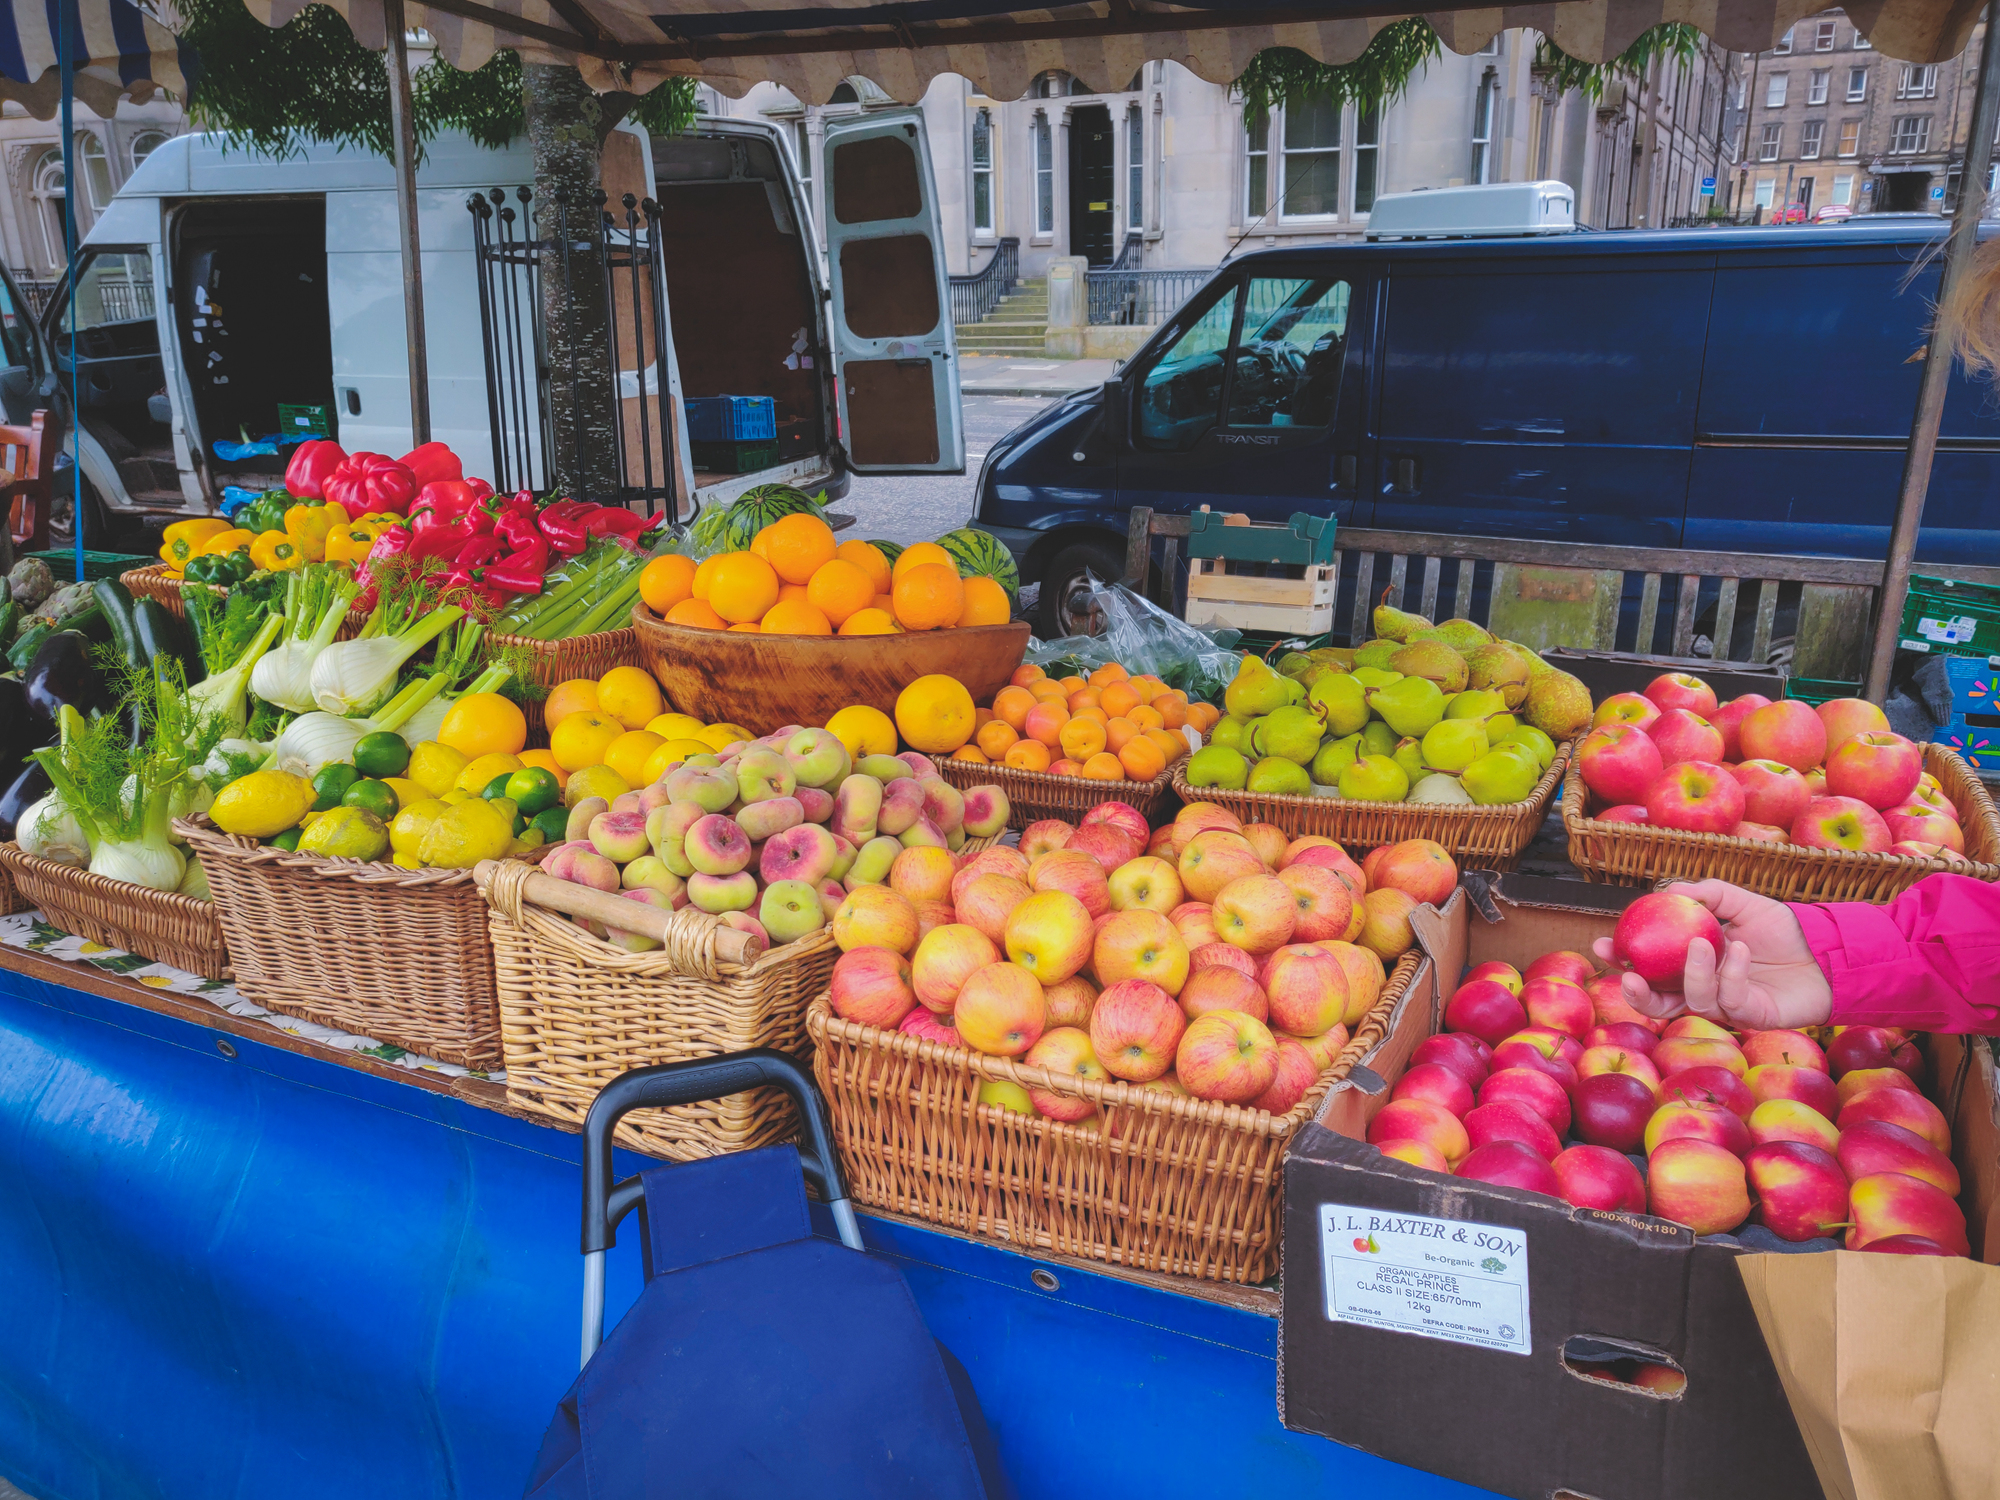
(511, 235)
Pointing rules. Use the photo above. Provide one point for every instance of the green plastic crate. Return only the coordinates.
(735, 457)
(1957, 619)
(1818, 690)
(1301, 542)
(96, 565)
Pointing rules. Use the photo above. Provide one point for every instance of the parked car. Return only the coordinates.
(1736, 390)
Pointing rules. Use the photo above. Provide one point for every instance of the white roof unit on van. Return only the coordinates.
(1498, 208)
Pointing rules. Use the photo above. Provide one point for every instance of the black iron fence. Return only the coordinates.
(974, 296)
(1145, 298)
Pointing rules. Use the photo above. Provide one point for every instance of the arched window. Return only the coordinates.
(982, 172)
(50, 190)
(96, 171)
(1135, 168)
(1045, 177)
(145, 143)
(1054, 84)
(844, 94)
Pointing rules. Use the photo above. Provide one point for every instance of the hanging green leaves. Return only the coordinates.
(1378, 75)
(1674, 42)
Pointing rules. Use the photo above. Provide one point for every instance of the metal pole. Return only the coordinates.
(404, 130)
(68, 24)
(1937, 367)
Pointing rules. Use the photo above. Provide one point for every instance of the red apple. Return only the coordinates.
(1715, 1085)
(1871, 1146)
(1419, 1120)
(1629, 1035)
(1655, 932)
(1906, 1244)
(1695, 796)
(1697, 1026)
(1537, 1091)
(1699, 1184)
(1523, 1050)
(1916, 823)
(1296, 1074)
(1612, 1110)
(1135, 1027)
(1913, 849)
(1844, 718)
(1879, 767)
(1792, 1120)
(1794, 1049)
(1223, 987)
(1624, 812)
(1421, 869)
(1728, 719)
(1890, 1203)
(1619, 762)
(1594, 1177)
(1841, 823)
(1559, 1004)
(1625, 708)
(872, 986)
(1231, 1058)
(1120, 814)
(1861, 1080)
(1762, 833)
(1325, 904)
(1499, 973)
(1681, 736)
(1854, 1048)
(1450, 1049)
(1671, 690)
(1502, 1121)
(1787, 731)
(1616, 1059)
(1607, 998)
(1904, 1107)
(1487, 1009)
(1676, 1054)
(1773, 793)
(1437, 1083)
(1769, 1081)
(1306, 987)
(1417, 1154)
(1801, 1191)
(1511, 1164)
(1701, 1121)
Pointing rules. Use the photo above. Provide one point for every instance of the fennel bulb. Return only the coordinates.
(224, 695)
(150, 860)
(48, 830)
(316, 601)
(195, 882)
(359, 676)
(230, 759)
(313, 740)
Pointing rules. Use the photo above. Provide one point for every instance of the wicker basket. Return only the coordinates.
(165, 587)
(160, 925)
(402, 956)
(1490, 838)
(11, 899)
(1037, 794)
(1166, 1184)
(579, 656)
(576, 1012)
(1634, 854)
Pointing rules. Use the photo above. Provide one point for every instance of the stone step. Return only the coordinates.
(1002, 346)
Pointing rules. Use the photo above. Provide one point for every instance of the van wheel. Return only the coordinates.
(1066, 589)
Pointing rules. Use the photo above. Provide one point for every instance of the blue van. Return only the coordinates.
(1735, 390)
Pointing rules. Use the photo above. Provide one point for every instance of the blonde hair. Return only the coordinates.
(1968, 322)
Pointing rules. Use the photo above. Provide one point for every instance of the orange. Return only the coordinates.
(749, 627)
(1082, 738)
(1011, 705)
(797, 545)
(1145, 717)
(791, 591)
(665, 581)
(1172, 711)
(928, 596)
(696, 613)
(629, 695)
(795, 617)
(743, 588)
(1141, 758)
(971, 753)
(582, 738)
(484, 724)
(869, 559)
(758, 544)
(986, 603)
(884, 602)
(704, 574)
(922, 554)
(839, 589)
(1026, 673)
(1028, 755)
(566, 698)
(1118, 698)
(1118, 733)
(994, 738)
(1104, 766)
(869, 622)
(629, 753)
(1172, 745)
(546, 762)
(1081, 699)
(934, 714)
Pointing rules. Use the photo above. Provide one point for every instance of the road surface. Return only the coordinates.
(920, 508)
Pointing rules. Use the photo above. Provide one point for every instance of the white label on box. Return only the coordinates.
(1440, 1278)
(1947, 632)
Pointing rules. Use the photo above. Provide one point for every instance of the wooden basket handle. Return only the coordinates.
(511, 884)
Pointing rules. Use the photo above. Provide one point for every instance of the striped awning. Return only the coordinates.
(120, 52)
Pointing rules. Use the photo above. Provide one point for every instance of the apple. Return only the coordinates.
(1420, 868)
(1872, 1146)
(1908, 848)
(1619, 762)
(1793, 1049)
(1386, 931)
(1787, 731)
(1607, 999)
(989, 901)
(1270, 842)
(1596, 1177)
(1134, 1028)
(1792, 1120)
(1561, 963)
(1769, 1081)
(1611, 1109)
(1323, 907)
(1195, 923)
(1715, 1085)
(1323, 1049)
(871, 986)
(1107, 843)
(999, 860)
(1629, 1035)
(1219, 987)
(1905, 1244)
(1773, 793)
(1306, 988)
(1863, 1080)
(1699, 1027)
(1070, 1001)
(1892, 1203)
(1507, 1121)
(1844, 718)
(1841, 823)
(1450, 1049)
(1074, 873)
(873, 916)
(1487, 1009)
(1141, 944)
(1066, 1053)
(1120, 815)
(1499, 973)
(1365, 978)
(1000, 1010)
(1043, 837)
(1699, 1184)
(1255, 912)
(1728, 720)
(1537, 1091)
(1336, 859)
(945, 958)
(1853, 1048)
(1654, 934)
(1679, 690)
(1522, 1050)
(1297, 1072)
(1418, 1154)
(1625, 708)
(1903, 1107)
(1145, 882)
(1049, 935)
(926, 1025)
(1878, 767)
(1698, 1120)
(1682, 736)
(1613, 1058)
(1695, 796)
(1198, 816)
(1439, 1084)
(1559, 1004)
(1511, 1164)
(1232, 1058)
(1212, 859)
(1302, 843)
(932, 915)
(1420, 1120)
(1801, 1190)
(1918, 824)
(1624, 812)
(1221, 955)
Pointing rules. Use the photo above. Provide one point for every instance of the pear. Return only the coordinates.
(1409, 706)
(1333, 656)
(1253, 738)
(1453, 745)
(1377, 738)
(1499, 776)
(1432, 659)
(1409, 754)
(1229, 733)
(1255, 690)
(1294, 664)
(1377, 653)
(1334, 757)
(1536, 666)
(1475, 703)
(1462, 635)
(1374, 778)
(1498, 667)
(1217, 765)
(1531, 738)
(1295, 691)
(1375, 677)
(1293, 732)
(1396, 625)
(1438, 787)
(1558, 705)
(1279, 777)
(1341, 700)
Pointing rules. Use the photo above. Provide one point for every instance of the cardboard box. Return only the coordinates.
(1517, 1289)
(1608, 672)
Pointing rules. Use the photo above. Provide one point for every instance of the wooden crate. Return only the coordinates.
(1274, 606)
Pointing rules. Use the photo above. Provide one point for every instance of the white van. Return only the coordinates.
(220, 285)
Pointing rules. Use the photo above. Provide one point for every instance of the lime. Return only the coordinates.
(330, 784)
(533, 790)
(377, 797)
(497, 787)
(289, 839)
(381, 755)
(554, 824)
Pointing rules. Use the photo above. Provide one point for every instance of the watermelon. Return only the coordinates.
(979, 554)
(731, 528)
(890, 550)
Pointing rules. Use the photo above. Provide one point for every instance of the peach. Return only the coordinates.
(831, 894)
(1140, 944)
(791, 910)
(1420, 868)
(710, 787)
(804, 851)
(1296, 1073)
(1769, 1081)
(1146, 881)
(1074, 872)
(743, 922)
(1043, 836)
(1596, 1177)
(1697, 1120)
(1386, 931)
(944, 804)
(856, 806)
(636, 942)
(1195, 922)
(1892, 1203)
(1066, 1053)
(1792, 1120)
(1324, 907)
(717, 894)
(1070, 1001)
(1654, 934)
(986, 812)
(1134, 1028)
(1505, 1120)
(1792, 1049)
(1904, 1107)
(1049, 935)
(872, 862)
(763, 820)
(1537, 1091)
(1219, 987)
(1212, 860)
(1306, 988)
(1221, 955)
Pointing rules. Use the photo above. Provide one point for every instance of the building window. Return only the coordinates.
(1311, 182)
(1774, 90)
(1045, 178)
(1861, 43)
(1054, 84)
(1913, 134)
(1843, 191)
(96, 171)
(1257, 200)
(982, 172)
(1767, 148)
(1850, 137)
(1482, 128)
(1738, 87)
(843, 94)
(1857, 85)
(1823, 37)
(1367, 147)
(1810, 135)
(1135, 168)
(145, 143)
(1784, 44)
(1917, 83)
(1767, 191)
(1816, 85)
(51, 192)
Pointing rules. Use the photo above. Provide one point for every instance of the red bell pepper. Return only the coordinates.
(370, 482)
(391, 541)
(430, 462)
(443, 541)
(311, 467)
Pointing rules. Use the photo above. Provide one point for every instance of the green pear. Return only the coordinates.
(1293, 732)
(1536, 666)
(1229, 733)
(1341, 657)
(1255, 690)
(1453, 745)
(1342, 700)
(1532, 738)
(1253, 738)
(1409, 754)
(1462, 635)
(1376, 653)
(1294, 664)
(1217, 765)
(1295, 691)
(1374, 778)
(1504, 775)
(1278, 777)
(1410, 706)
(1475, 703)
(1432, 659)
(1499, 667)
(1438, 787)
(1334, 757)
(1376, 677)
(1558, 705)
(1378, 738)
(1499, 724)
(1397, 625)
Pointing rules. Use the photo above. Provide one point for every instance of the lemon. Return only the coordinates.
(677, 727)
(629, 753)
(864, 730)
(406, 790)
(482, 770)
(434, 767)
(406, 834)
(346, 832)
(406, 861)
(455, 796)
(474, 830)
(722, 736)
(594, 781)
(262, 804)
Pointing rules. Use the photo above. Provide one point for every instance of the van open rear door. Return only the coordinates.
(891, 322)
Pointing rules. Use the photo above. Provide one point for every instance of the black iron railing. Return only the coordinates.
(974, 296)
(1145, 298)
(1131, 254)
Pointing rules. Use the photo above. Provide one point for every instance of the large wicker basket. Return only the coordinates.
(1155, 1181)
(1490, 838)
(158, 583)
(402, 956)
(576, 1012)
(160, 925)
(1032, 795)
(1634, 854)
(579, 656)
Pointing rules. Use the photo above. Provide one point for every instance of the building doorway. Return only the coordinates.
(1903, 192)
(1091, 180)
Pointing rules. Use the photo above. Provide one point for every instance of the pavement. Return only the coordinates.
(1007, 375)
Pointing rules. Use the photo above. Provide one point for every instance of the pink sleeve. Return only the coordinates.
(1927, 961)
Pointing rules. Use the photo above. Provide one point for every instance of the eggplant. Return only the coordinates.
(26, 789)
(62, 673)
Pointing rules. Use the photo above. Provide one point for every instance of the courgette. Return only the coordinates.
(23, 650)
(115, 601)
(159, 634)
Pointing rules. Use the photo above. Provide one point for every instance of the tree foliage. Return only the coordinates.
(1671, 43)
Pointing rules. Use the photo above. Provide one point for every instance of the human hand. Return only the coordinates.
(1766, 981)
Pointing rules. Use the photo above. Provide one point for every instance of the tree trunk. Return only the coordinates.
(567, 124)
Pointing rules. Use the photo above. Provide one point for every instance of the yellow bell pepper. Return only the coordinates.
(196, 531)
(235, 539)
(276, 552)
(351, 543)
(307, 526)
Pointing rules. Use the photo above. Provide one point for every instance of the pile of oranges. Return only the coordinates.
(797, 580)
(1110, 726)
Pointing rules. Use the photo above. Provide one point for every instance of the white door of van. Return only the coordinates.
(896, 353)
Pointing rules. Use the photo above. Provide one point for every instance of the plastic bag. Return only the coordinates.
(1142, 637)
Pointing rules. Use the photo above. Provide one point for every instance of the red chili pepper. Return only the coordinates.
(520, 574)
(479, 551)
(520, 532)
(611, 520)
(565, 532)
(370, 482)
(311, 467)
(429, 462)
(391, 541)
(444, 541)
(520, 503)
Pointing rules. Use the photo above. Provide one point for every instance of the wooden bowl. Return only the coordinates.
(764, 682)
